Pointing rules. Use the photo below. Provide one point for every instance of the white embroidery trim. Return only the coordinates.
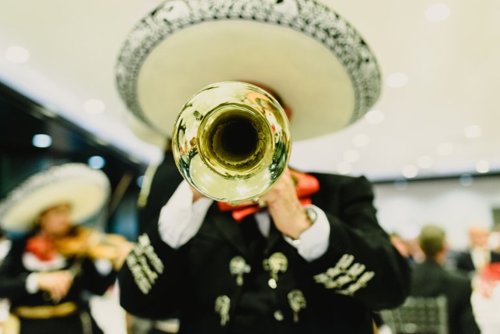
(144, 264)
(346, 274)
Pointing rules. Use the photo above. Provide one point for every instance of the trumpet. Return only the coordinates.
(231, 141)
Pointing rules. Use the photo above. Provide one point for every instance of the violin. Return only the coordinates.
(81, 242)
(90, 243)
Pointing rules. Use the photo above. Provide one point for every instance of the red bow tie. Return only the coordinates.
(43, 248)
(305, 185)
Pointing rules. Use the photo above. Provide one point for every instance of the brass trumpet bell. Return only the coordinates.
(231, 141)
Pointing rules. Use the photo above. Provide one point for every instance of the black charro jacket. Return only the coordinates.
(360, 272)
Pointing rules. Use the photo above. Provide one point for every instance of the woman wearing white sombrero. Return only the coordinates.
(47, 271)
(289, 269)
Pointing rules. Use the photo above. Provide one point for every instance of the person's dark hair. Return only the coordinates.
(431, 240)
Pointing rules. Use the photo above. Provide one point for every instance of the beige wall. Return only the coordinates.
(445, 202)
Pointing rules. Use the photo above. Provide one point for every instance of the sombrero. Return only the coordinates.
(85, 189)
(314, 59)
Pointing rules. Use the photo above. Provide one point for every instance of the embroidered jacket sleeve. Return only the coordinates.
(360, 261)
(144, 276)
(151, 270)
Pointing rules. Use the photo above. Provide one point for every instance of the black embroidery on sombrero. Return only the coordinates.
(306, 16)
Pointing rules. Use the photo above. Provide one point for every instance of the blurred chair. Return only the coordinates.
(418, 315)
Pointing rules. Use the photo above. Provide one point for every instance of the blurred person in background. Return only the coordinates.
(50, 269)
(486, 282)
(479, 254)
(403, 246)
(431, 279)
(486, 298)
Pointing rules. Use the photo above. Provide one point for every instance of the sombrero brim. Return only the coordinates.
(85, 189)
(314, 59)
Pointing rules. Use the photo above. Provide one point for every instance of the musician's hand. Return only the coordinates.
(284, 206)
(56, 283)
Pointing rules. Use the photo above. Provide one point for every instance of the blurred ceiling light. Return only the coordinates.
(424, 162)
(96, 162)
(351, 155)
(17, 54)
(344, 168)
(374, 116)
(360, 140)
(482, 166)
(473, 131)
(94, 106)
(41, 140)
(397, 80)
(437, 12)
(445, 149)
(410, 171)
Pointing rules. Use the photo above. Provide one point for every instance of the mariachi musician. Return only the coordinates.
(311, 256)
(48, 271)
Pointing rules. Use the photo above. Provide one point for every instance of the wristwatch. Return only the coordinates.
(311, 215)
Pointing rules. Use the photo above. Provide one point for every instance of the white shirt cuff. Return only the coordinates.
(32, 283)
(180, 219)
(314, 241)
